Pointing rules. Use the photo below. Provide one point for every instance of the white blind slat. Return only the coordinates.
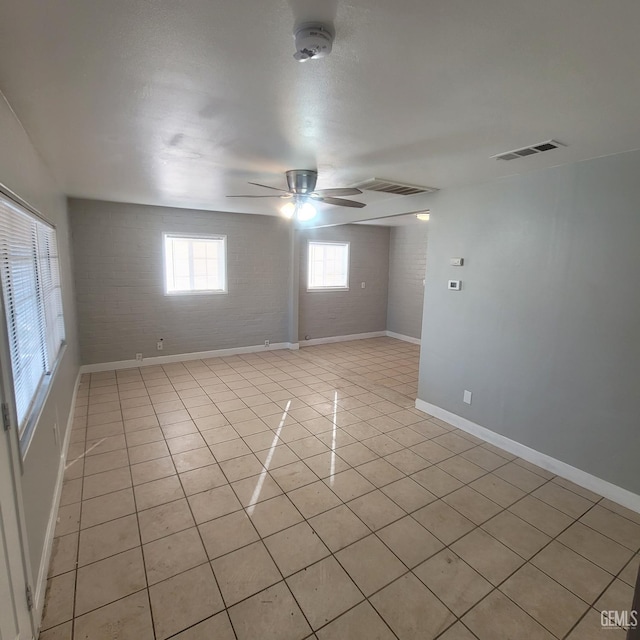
(31, 293)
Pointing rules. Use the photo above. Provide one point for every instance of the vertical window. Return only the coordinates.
(31, 293)
(195, 264)
(328, 265)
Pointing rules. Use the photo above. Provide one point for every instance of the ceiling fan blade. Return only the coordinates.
(282, 196)
(256, 184)
(341, 202)
(345, 191)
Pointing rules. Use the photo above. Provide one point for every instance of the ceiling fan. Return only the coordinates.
(302, 193)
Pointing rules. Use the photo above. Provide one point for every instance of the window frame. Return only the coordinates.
(26, 428)
(312, 289)
(166, 235)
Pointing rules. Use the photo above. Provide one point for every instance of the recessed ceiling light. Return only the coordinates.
(423, 216)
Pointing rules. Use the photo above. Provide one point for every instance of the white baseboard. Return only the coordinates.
(353, 336)
(181, 357)
(43, 570)
(201, 355)
(582, 478)
(399, 336)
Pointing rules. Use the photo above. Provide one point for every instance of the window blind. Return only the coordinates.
(31, 293)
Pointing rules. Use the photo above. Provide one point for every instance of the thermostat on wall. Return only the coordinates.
(455, 285)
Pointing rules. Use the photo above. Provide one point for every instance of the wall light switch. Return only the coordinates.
(362, 284)
(455, 285)
(467, 397)
(456, 262)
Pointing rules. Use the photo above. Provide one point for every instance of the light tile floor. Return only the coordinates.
(285, 494)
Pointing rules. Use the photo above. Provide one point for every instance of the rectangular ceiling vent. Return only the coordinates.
(397, 188)
(529, 151)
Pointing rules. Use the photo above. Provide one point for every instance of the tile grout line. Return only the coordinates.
(144, 564)
(261, 539)
(377, 458)
(487, 472)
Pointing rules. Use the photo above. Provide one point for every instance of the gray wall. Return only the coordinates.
(341, 313)
(407, 264)
(22, 172)
(122, 308)
(545, 331)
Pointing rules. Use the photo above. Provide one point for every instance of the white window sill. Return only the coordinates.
(32, 419)
(208, 292)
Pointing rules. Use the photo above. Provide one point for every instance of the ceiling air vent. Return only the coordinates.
(397, 188)
(529, 151)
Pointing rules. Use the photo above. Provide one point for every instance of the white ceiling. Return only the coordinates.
(180, 103)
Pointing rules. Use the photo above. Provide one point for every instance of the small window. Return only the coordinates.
(31, 293)
(328, 265)
(195, 264)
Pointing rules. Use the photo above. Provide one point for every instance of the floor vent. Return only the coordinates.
(397, 188)
(529, 151)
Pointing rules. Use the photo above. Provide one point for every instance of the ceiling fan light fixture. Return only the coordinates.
(424, 216)
(306, 211)
(301, 192)
(288, 210)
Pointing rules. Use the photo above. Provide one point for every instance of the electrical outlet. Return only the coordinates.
(466, 397)
(139, 357)
(266, 343)
(160, 344)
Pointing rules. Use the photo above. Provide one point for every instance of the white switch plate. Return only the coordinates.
(455, 285)
(467, 397)
(362, 284)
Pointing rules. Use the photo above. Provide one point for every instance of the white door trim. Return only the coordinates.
(16, 620)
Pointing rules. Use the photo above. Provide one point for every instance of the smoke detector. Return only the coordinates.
(312, 41)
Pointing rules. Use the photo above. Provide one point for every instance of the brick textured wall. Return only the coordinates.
(407, 263)
(122, 309)
(338, 313)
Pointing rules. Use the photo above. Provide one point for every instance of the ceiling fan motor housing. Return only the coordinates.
(312, 41)
(301, 181)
